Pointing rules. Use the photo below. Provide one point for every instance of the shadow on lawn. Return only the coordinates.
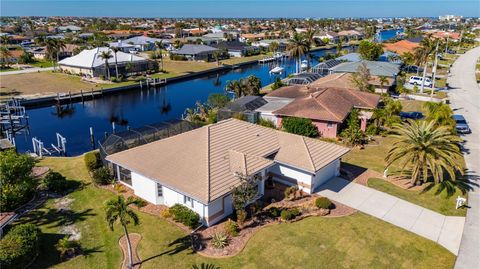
(49, 256)
(55, 218)
(179, 245)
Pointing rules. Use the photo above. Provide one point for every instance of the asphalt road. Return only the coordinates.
(465, 100)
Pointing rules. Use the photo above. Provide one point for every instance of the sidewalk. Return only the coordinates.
(465, 99)
(24, 71)
(446, 231)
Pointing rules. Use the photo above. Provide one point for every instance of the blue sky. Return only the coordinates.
(241, 8)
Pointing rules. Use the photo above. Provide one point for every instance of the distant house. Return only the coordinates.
(199, 168)
(331, 36)
(376, 68)
(350, 35)
(282, 43)
(88, 62)
(196, 52)
(235, 48)
(328, 108)
(245, 105)
(40, 53)
(350, 57)
(137, 43)
(68, 28)
(401, 47)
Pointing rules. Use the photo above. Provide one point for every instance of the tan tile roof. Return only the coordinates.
(202, 163)
(400, 47)
(335, 80)
(329, 104)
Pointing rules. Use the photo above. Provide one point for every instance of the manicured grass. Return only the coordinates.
(42, 64)
(356, 241)
(413, 105)
(238, 60)
(441, 203)
(8, 69)
(373, 155)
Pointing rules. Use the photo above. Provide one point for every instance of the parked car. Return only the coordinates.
(461, 124)
(416, 80)
(412, 68)
(411, 115)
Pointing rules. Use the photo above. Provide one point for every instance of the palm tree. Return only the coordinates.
(106, 55)
(67, 247)
(117, 209)
(205, 266)
(235, 86)
(422, 54)
(426, 151)
(383, 81)
(115, 50)
(297, 47)
(5, 55)
(440, 113)
(273, 46)
(253, 85)
(216, 56)
(159, 46)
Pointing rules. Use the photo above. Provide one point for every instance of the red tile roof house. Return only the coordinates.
(328, 107)
(198, 168)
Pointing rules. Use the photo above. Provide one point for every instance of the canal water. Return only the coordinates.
(134, 108)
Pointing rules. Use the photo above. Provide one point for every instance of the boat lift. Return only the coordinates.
(39, 149)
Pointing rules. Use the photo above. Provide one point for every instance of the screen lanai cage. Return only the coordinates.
(148, 133)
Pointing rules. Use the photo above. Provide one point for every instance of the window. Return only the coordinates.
(159, 190)
(188, 201)
(329, 125)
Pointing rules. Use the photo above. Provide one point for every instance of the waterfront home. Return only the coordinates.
(401, 47)
(349, 35)
(332, 37)
(375, 68)
(345, 80)
(327, 107)
(89, 63)
(137, 43)
(196, 52)
(199, 168)
(245, 106)
(350, 57)
(282, 43)
(235, 48)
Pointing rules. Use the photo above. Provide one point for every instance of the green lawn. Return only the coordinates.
(413, 105)
(356, 241)
(441, 203)
(42, 64)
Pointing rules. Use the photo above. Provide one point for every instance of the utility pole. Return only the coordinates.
(434, 70)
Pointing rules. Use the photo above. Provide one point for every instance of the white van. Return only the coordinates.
(416, 80)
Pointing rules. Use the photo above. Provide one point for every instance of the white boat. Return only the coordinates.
(277, 70)
(304, 64)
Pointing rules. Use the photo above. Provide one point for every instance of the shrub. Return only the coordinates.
(102, 176)
(56, 182)
(185, 215)
(219, 240)
(300, 126)
(16, 181)
(166, 214)
(277, 84)
(274, 212)
(120, 188)
(289, 214)
(323, 202)
(68, 248)
(20, 246)
(241, 217)
(92, 160)
(291, 192)
(218, 100)
(266, 123)
(231, 227)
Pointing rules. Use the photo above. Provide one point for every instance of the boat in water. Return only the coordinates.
(277, 70)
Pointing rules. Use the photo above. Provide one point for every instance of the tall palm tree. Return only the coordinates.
(235, 87)
(423, 53)
(383, 81)
(426, 151)
(297, 47)
(115, 50)
(106, 55)
(159, 46)
(5, 55)
(117, 209)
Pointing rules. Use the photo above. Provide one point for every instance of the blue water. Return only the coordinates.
(389, 34)
(241, 8)
(133, 108)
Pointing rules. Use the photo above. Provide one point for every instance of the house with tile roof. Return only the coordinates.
(328, 106)
(199, 168)
(401, 47)
(89, 62)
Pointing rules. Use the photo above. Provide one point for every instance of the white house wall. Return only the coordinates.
(144, 188)
(326, 173)
(303, 178)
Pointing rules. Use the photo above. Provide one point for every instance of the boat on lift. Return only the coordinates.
(277, 70)
(304, 64)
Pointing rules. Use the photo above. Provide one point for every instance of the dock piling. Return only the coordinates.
(92, 138)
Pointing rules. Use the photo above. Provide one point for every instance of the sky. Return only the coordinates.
(241, 8)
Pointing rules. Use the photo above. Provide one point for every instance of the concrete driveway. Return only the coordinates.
(446, 231)
(465, 99)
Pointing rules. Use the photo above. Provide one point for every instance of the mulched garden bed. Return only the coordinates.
(134, 239)
(237, 243)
